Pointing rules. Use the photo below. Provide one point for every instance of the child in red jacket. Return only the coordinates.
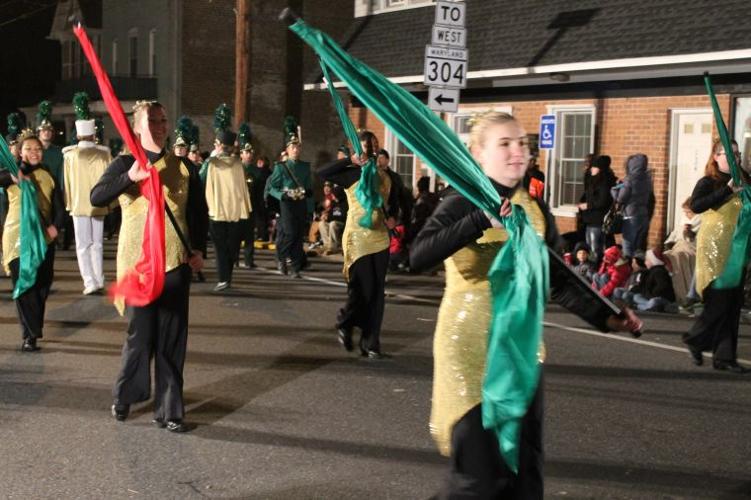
(613, 273)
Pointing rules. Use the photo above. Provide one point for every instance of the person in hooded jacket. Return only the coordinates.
(596, 201)
(633, 194)
(613, 273)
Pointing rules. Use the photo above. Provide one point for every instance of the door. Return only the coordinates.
(691, 141)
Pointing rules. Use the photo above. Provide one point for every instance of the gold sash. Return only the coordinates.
(358, 241)
(713, 241)
(175, 181)
(461, 336)
(45, 185)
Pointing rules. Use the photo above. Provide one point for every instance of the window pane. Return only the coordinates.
(575, 140)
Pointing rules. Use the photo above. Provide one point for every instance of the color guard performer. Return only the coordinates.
(159, 329)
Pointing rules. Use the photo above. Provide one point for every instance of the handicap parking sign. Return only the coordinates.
(547, 131)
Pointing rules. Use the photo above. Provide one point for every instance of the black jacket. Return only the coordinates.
(710, 193)
(456, 223)
(345, 174)
(658, 283)
(597, 197)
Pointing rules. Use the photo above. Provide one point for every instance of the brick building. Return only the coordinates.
(183, 54)
(621, 78)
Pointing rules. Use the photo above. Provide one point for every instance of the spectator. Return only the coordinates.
(343, 152)
(633, 194)
(657, 291)
(595, 202)
(535, 179)
(613, 273)
(635, 282)
(681, 255)
(333, 216)
(584, 266)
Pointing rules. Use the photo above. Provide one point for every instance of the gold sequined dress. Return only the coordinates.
(358, 241)
(713, 241)
(461, 336)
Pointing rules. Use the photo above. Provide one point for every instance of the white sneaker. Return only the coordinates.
(223, 285)
(90, 290)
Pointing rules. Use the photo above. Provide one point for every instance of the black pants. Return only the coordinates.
(226, 238)
(32, 302)
(293, 220)
(365, 299)
(261, 220)
(477, 468)
(716, 328)
(247, 237)
(69, 233)
(158, 330)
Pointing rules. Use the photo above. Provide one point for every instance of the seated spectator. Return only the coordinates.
(583, 265)
(655, 292)
(613, 272)
(332, 218)
(681, 256)
(635, 282)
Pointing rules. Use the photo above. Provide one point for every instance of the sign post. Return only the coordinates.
(446, 57)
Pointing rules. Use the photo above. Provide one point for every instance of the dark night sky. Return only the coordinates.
(29, 63)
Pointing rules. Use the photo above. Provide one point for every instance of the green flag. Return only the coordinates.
(739, 245)
(32, 245)
(367, 191)
(519, 275)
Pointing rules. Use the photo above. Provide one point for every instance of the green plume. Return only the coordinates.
(290, 126)
(44, 113)
(15, 124)
(184, 129)
(243, 134)
(195, 135)
(222, 118)
(81, 106)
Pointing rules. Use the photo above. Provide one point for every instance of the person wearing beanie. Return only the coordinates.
(595, 203)
(291, 183)
(583, 265)
(613, 273)
(83, 166)
(229, 206)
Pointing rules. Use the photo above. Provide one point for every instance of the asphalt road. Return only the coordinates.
(281, 412)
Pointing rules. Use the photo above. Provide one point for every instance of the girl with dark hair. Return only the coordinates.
(31, 303)
(366, 250)
(716, 198)
(595, 202)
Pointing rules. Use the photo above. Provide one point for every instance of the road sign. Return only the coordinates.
(440, 99)
(445, 67)
(547, 131)
(450, 37)
(450, 13)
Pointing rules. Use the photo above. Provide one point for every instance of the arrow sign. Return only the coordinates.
(443, 99)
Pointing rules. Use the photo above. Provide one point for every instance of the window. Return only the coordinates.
(403, 162)
(67, 65)
(152, 52)
(114, 56)
(368, 7)
(742, 129)
(133, 53)
(574, 140)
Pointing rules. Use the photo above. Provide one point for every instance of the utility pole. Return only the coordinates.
(242, 61)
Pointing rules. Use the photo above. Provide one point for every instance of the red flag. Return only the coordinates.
(145, 282)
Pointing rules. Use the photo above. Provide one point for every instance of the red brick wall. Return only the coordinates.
(624, 126)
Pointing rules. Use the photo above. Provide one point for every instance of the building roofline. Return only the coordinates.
(632, 63)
